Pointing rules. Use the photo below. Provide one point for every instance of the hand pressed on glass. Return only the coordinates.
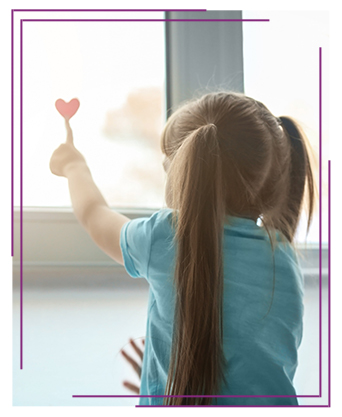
(135, 365)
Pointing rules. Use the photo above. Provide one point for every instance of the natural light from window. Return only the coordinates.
(281, 69)
(116, 70)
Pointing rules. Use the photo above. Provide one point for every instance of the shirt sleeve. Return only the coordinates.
(135, 243)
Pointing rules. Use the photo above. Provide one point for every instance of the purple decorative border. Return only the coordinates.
(145, 20)
(237, 406)
(320, 222)
(21, 192)
(329, 282)
(12, 134)
(109, 10)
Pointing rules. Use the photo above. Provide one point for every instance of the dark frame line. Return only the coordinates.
(109, 10)
(320, 221)
(146, 20)
(21, 194)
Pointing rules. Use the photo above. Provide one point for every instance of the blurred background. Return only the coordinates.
(118, 72)
(80, 308)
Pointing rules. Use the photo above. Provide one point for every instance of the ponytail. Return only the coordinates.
(242, 164)
(300, 174)
(197, 359)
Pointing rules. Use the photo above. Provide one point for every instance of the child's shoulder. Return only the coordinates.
(161, 220)
(162, 230)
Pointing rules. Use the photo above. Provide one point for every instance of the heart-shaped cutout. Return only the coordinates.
(67, 110)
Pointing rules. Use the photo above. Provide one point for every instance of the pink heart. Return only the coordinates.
(67, 110)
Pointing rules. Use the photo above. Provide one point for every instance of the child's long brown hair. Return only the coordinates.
(228, 156)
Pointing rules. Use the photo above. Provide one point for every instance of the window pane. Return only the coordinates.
(281, 69)
(116, 70)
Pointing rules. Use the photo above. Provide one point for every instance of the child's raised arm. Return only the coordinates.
(90, 208)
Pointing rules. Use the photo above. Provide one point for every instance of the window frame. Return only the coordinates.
(41, 253)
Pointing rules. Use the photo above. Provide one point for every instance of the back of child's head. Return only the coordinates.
(229, 155)
(260, 169)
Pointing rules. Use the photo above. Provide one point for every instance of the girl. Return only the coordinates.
(226, 292)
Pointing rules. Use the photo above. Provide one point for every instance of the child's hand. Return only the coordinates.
(135, 365)
(66, 155)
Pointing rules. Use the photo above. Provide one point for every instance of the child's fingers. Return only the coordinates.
(134, 364)
(70, 137)
(131, 387)
(137, 349)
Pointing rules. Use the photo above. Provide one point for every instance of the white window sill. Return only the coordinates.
(46, 251)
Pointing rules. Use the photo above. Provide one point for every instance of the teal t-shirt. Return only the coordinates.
(261, 354)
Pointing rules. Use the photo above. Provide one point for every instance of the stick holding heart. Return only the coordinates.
(67, 110)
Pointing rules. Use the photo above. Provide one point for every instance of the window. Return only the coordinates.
(113, 84)
(116, 69)
(286, 79)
